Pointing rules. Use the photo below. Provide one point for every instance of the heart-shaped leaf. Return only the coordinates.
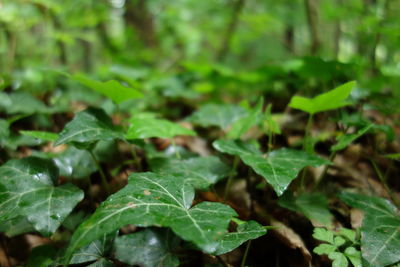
(162, 200)
(147, 127)
(75, 163)
(26, 190)
(244, 232)
(95, 251)
(221, 115)
(279, 167)
(243, 124)
(111, 89)
(200, 172)
(333, 99)
(88, 127)
(147, 248)
(312, 205)
(380, 231)
(345, 140)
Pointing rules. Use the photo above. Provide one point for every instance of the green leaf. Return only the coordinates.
(162, 200)
(21, 102)
(349, 234)
(26, 190)
(354, 256)
(42, 256)
(269, 121)
(347, 139)
(4, 132)
(75, 163)
(333, 99)
(313, 205)
(88, 127)
(380, 231)
(323, 235)
(16, 226)
(242, 125)
(200, 172)
(141, 128)
(95, 250)
(221, 115)
(111, 89)
(279, 167)
(244, 232)
(324, 249)
(46, 136)
(147, 248)
(101, 263)
(339, 259)
(338, 241)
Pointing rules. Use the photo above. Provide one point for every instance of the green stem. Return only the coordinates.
(177, 154)
(270, 137)
(246, 252)
(382, 178)
(136, 159)
(230, 178)
(102, 175)
(325, 171)
(307, 135)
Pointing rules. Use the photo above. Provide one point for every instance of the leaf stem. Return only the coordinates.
(325, 170)
(177, 154)
(136, 159)
(230, 178)
(382, 178)
(102, 175)
(307, 135)
(246, 252)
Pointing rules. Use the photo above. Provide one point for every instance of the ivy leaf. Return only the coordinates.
(380, 232)
(147, 248)
(333, 99)
(155, 199)
(279, 167)
(46, 136)
(345, 140)
(244, 232)
(26, 190)
(111, 89)
(42, 256)
(88, 127)
(16, 226)
(95, 251)
(147, 127)
(339, 259)
(242, 125)
(21, 102)
(221, 115)
(101, 263)
(312, 205)
(200, 172)
(75, 163)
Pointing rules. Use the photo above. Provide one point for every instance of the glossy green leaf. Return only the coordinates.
(347, 139)
(148, 248)
(95, 250)
(21, 102)
(312, 205)
(162, 200)
(75, 163)
(244, 232)
(111, 89)
(243, 124)
(279, 167)
(46, 136)
(221, 115)
(42, 256)
(26, 190)
(200, 172)
(88, 126)
(16, 226)
(380, 231)
(101, 263)
(333, 99)
(151, 127)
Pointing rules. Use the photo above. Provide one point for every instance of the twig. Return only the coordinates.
(102, 175)
(246, 252)
(230, 178)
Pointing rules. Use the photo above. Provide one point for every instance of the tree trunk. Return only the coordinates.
(138, 16)
(311, 7)
(225, 44)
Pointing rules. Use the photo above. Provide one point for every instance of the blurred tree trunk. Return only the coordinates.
(230, 31)
(138, 16)
(311, 7)
(289, 38)
(338, 34)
